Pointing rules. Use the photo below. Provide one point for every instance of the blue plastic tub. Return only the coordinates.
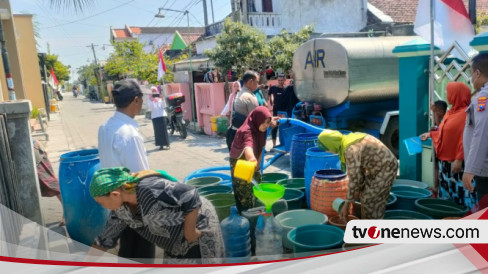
(315, 237)
(318, 159)
(407, 195)
(300, 144)
(293, 198)
(84, 217)
(207, 190)
(405, 215)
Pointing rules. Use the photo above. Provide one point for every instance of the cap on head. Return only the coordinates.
(124, 92)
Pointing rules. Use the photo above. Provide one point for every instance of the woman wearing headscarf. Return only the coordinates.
(248, 145)
(236, 87)
(169, 214)
(158, 117)
(448, 144)
(371, 169)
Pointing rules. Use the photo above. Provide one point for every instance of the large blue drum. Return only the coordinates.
(300, 143)
(84, 217)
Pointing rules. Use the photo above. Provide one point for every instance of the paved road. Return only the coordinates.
(75, 127)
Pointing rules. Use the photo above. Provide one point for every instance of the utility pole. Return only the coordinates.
(205, 17)
(211, 7)
(97, 75)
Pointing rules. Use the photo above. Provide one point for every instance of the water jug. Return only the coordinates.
(237, 241)
(268, 238)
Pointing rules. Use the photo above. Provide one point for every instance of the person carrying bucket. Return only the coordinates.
(371, 168)
(248, 145)
(163, 211)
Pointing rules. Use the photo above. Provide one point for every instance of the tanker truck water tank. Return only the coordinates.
(330, 71)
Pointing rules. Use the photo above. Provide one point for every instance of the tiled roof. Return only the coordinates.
(404, 11)
(124, 33)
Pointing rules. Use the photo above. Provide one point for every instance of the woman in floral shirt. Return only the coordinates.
(169, 214)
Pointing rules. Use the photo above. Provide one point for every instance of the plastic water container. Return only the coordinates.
(84, 217)
(300, 144)
(318, 159)
(237, 240)
(268, 238)
(327, 185)
(407, 195)
(288, 134)
(414, 145)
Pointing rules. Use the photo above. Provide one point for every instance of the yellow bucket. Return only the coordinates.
(107, 99)
(214, 126)
(244, 170)
(213, 119)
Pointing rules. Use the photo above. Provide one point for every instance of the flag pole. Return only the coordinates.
(431, 79)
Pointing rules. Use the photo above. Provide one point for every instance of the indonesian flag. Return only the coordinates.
(451, 23)
(161, 66)
(53, 80)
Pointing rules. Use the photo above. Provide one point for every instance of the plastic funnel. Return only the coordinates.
(268, 194)
(414, 145)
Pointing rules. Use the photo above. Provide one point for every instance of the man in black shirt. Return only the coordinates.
(293, 99)
(279, 99)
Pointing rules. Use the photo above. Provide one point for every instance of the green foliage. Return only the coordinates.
(130, 60)
(284, 45)
(240, 46)
(481, 20)
(34, 113)
(86, 75)
(61, 71)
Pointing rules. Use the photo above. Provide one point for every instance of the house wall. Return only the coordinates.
(157, 40)
(29, 60)
(9, 32)
(325, 15)
(208, 43)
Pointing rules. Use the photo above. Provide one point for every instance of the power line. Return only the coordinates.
(91, 16)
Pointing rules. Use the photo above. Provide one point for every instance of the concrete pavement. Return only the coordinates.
(75, 127)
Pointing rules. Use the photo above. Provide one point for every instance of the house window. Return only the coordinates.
(267, 5)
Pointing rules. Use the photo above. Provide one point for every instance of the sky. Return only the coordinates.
(70, 34)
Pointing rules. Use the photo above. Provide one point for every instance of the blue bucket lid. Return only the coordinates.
(79, 156)
(330, 174)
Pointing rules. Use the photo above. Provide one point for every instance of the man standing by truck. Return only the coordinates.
(279, 99)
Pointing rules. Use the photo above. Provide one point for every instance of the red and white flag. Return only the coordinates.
(53, 80)
(451, 23)
(161, 66)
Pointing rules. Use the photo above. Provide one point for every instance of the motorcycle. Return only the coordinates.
(175, 114)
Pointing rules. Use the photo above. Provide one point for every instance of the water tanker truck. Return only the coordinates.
(350, 84)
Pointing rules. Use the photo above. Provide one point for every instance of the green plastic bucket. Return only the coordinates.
(407, 195)
(412, 183)
(440, 209)
(222, 124)
(273, 177)
(295, 218)
(405, 215)
(204, 181)
(315, 237)
(294, 198)
(293, 183)
(207, 190)
(222, 203)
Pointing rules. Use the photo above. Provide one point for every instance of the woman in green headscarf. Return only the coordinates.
(166, 213)
(371, 168)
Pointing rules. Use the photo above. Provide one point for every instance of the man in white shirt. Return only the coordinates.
(120, 144)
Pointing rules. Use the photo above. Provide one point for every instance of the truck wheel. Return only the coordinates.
(391, 136)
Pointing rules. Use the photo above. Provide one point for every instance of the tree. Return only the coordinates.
(60, 70)
(284, 45)
(240, 46)
(86, 75)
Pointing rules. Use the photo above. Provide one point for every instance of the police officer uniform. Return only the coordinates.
(475, 141)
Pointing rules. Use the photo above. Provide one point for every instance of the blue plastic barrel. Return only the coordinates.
(237, 237)
(318, 159)
(84, 217)
(281, 136)
(288, 134)
(300, 144)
